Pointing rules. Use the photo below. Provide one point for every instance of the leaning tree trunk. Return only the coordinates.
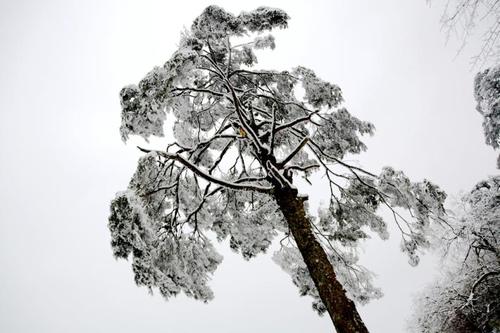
(342, 310)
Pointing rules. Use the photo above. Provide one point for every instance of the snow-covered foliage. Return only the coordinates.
(423, 200)
(250, 223)
(339, 133)
(466, 298)
(171, 263)
(487, 93)
(240, 134)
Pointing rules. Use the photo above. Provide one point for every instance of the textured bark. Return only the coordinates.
(342, 310)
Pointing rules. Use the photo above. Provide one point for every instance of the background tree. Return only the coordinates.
(487, 93)
(243, 140)
(463, 18)
(467, 298)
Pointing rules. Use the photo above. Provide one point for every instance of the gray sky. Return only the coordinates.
(62, 160)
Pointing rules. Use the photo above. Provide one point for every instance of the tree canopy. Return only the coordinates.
(242, 136)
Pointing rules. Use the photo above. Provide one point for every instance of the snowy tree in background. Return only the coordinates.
(487, 93)
(244, 138)
(463, 18)
(467, 298)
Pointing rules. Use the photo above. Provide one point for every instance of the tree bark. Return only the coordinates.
(341, 309)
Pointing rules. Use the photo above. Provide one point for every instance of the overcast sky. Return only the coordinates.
(62, 160)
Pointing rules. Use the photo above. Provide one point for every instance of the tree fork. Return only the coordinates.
(341, 309)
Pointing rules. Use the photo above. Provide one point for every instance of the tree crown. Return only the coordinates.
(240, 134)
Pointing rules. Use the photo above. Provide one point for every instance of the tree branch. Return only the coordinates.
(206, 176)
(293, 153)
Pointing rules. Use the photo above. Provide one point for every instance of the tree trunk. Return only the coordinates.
(342, 310)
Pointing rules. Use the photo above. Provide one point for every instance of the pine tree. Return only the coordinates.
(242, 139)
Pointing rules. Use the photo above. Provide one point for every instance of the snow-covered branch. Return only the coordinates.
(208, 177)
(293, 153)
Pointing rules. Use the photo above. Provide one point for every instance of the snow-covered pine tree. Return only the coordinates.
(242, 137)
(467, 298)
